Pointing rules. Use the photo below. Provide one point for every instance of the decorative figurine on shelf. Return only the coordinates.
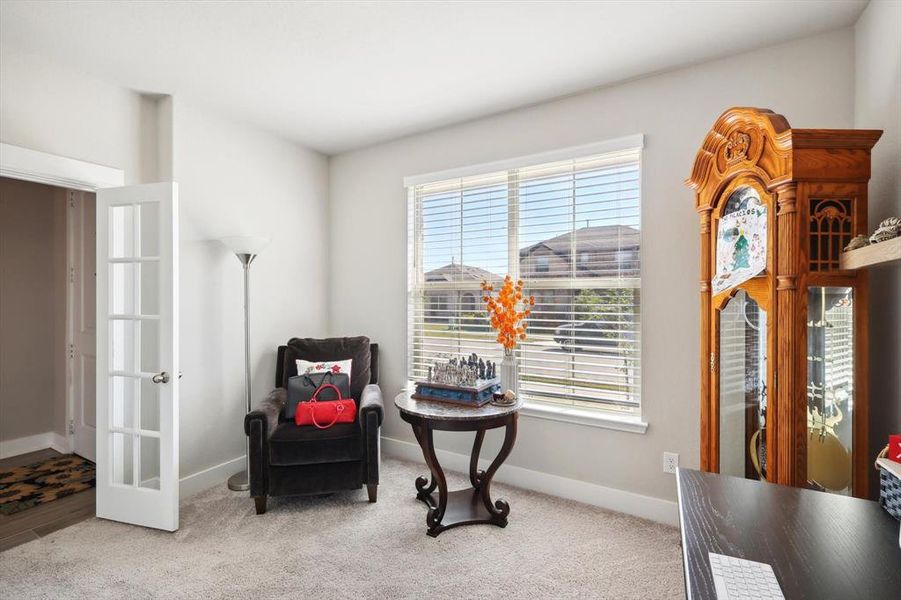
(858, 241)
(888, 229)
(507, 312)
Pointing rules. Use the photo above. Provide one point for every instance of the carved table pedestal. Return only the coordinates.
(472, 505)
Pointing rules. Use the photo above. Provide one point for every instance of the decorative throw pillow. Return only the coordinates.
(306, 367)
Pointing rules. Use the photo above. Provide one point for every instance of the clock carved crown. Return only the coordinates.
(737, 147)
(736, 143)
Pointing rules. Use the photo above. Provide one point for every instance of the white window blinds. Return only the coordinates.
(571, 230)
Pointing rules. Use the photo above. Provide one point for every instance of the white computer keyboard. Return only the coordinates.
(740, 579)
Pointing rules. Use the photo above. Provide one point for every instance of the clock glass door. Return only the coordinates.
(830, 387)
(742, 387)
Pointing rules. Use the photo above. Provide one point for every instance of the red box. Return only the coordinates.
(894, 447)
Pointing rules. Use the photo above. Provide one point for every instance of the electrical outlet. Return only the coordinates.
(670, 462)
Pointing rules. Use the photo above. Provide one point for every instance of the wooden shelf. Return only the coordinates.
(875, 255)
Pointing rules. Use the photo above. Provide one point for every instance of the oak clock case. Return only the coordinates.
(783, 329)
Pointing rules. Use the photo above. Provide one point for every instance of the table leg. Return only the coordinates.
(436, 512)
(475, 474)
(500, 508)
(424, 486)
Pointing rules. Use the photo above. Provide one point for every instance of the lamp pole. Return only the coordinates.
(245, 248)
(240, 482)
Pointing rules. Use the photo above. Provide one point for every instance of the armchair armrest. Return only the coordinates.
(371, 402)
(259, 425)
(372, 411)
(268, 411)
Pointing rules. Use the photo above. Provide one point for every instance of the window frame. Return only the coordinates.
(600, 416)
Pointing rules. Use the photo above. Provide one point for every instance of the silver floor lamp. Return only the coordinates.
(246, 248)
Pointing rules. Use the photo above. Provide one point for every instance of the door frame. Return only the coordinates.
(25, 164)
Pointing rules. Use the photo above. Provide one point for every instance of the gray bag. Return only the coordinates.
(302, 387)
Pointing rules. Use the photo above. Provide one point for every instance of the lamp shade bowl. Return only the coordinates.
(245, 244)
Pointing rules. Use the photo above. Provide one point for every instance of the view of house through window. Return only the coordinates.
(571, 231)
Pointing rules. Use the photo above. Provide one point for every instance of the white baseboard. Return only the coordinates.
(201, 480)
(33, 443)
(60, 443)
(646, 507)
(207, 478)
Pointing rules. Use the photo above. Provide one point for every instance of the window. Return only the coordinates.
(570, 228)
(469, 302)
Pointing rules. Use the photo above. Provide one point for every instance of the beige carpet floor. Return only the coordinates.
(341, 546)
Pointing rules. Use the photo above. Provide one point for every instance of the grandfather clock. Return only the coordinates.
(783, 328)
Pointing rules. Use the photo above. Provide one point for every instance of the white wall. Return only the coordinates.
(57, 110)
(235, 180)
(877, 105)
(810, 81)
(32, 310)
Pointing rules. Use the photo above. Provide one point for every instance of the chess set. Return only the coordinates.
(470, 381)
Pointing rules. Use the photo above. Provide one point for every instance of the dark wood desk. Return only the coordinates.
(820, 545)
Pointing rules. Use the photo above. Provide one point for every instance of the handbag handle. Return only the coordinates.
(308, 377)
(339, 408)
(315, 397)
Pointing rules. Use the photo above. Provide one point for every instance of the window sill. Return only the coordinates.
(588, 417)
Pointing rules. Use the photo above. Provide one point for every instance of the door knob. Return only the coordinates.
(160, 378)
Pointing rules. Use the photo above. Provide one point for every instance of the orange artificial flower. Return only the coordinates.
(503, 312)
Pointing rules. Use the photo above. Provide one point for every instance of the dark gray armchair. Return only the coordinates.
(287, 460)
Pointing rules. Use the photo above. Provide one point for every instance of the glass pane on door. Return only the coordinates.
(133, 345)
(830, 387)
(122, 458)
(150, 405)
(742, 388)
(122, 402)
(150, 462)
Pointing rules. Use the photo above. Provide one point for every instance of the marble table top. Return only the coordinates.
(448, 411)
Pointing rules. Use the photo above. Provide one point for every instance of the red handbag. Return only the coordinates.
(323, 414)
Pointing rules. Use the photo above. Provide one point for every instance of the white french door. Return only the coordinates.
(137, 355)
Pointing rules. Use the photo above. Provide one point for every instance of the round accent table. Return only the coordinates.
(472, 505)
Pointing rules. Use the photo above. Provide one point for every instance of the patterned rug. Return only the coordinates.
(24, 487)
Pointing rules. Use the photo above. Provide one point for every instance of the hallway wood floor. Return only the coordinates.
(38, 521)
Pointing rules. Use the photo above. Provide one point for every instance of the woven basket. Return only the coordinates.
(889, 487)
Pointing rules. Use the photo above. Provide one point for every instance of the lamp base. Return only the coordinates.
(239, 482)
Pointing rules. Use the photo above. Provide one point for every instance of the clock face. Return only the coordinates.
(741, 240)
(742, 199)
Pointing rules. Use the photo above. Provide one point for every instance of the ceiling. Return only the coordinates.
(342, 75)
